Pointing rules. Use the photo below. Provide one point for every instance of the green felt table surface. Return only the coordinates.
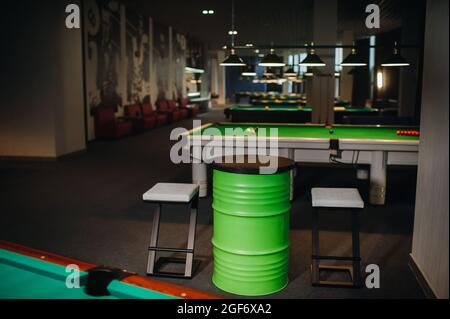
(307, 108)
(24, 277)
(314, 131)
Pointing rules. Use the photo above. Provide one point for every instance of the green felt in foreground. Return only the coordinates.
(314, 131)
(24, 277)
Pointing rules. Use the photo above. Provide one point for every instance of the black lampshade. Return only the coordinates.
(395, 60)
(249, 70)
(353, 59)
(233, 60)
(269, 72)
(272, 59)
(290, 73)
(312, 59)
(309, 73)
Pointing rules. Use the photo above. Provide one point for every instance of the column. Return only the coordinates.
(346, 79)
(221, 81)
(324, 30)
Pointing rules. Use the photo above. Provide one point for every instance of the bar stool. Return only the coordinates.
(172, 193)
(336, 198)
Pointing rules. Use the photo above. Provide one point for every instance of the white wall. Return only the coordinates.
(41, 113)
(430, 240)
(70, 123)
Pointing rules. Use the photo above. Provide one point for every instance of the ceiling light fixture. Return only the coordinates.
(249, 70)
(233, 59)
(272, 59)
(353, 59)
(312, 59)
(308, 73)
(290, 73)
(269, 72)
(396, 59)
(191, 70)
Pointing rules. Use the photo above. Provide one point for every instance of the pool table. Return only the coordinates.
(289, 114)
(291, 101)
(268, 95)
(308, 143)
(288, 100)
(27, 273)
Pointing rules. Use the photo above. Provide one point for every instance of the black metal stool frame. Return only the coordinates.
(354, 270)
(153, 268)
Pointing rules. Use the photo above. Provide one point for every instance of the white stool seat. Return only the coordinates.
(336, 197)
(171, 192)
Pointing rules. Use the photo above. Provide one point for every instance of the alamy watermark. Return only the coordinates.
(73, 19)
(233, 144)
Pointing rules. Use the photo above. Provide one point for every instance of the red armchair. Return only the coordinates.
(184, 113)
(108, 126)
(172, 113)
(141, 123)
(192, 109)
(147, 111)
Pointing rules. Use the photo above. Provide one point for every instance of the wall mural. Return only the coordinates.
(138, 54)
(179, 56)
(118, 47)
(161, 60)
(103, 56)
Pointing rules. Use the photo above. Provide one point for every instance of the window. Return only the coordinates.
(338, 57)
(372, 41)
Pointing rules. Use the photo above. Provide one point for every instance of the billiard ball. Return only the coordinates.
(331, 131)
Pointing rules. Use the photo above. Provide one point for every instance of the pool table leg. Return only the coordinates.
(200, 177)
(378, 178)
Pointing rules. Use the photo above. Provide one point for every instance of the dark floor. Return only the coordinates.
(89, 207)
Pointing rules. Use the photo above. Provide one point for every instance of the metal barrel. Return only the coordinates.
(251, 232)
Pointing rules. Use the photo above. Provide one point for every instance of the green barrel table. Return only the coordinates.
(251, 226)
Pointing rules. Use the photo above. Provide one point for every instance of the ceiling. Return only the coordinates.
(257, 22)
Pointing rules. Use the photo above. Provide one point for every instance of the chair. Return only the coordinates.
(192, 108)
(148, 112)
(172, 193)
(141, 123)
(108, 126)
(173, 115)
(184, 113)
(336, 199)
